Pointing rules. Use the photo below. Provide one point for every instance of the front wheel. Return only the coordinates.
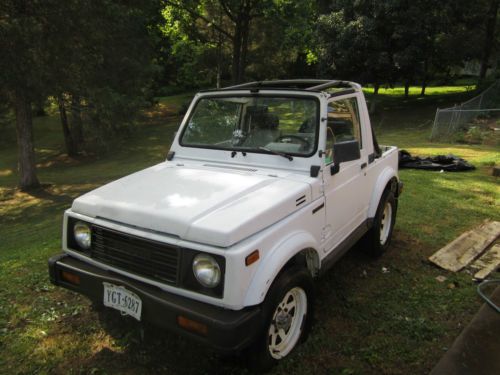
(287, 310)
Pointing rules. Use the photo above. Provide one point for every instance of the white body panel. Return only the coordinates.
(196, 202)
(230, 205)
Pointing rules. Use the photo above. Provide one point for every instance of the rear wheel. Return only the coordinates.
(379, 237)
(287, 311)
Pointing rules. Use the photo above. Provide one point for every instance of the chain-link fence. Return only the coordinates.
(469, 119)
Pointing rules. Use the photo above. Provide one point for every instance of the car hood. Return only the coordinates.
(204, 204)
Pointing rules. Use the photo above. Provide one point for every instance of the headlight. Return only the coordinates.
(83, 236)
(206, 270)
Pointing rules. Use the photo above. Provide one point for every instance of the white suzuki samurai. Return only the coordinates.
(266, 185)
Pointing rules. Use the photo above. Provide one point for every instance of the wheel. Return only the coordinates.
(288, 311)
(378, 238)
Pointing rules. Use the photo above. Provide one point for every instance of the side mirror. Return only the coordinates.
(334, 169)
(342, 152)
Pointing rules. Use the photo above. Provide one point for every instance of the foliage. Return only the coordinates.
(214, 40)
(480, 131)
(110, 64)
(96, 55)
(388, 41)
(191, 60)
(355, 45)
(281, 40)
(101, 60)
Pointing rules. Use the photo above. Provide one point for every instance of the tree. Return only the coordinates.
(20, 77)
(108, 66)
(231, 25)
(229, 18)
(93, 52)
(489, 36)
(385, 41)
(282, 40)
(355, 42)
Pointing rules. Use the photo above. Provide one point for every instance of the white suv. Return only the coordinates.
(266, 185)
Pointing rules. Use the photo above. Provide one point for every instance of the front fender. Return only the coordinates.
(383, 179)
(273, 263)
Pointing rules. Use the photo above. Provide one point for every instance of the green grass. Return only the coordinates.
(368, 321)
(416, 90)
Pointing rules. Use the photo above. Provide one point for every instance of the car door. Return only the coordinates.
(345, 188)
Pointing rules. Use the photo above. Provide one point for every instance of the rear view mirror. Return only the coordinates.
(342, 152)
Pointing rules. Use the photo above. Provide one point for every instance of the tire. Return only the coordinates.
(378, 238)
(288, 314)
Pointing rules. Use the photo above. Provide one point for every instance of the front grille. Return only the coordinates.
(151, 259)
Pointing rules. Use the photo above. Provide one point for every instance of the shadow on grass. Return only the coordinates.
(145, 348)
(45, 193)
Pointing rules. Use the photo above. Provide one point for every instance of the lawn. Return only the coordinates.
(416, 90)
(388, 315)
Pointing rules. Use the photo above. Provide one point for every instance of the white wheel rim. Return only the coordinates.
(385, 223)
(286, 325)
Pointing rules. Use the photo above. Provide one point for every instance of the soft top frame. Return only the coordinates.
(313, 85)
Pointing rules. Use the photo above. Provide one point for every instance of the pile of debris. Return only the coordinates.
(475, 249)
(448, 163)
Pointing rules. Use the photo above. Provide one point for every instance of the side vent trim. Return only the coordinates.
(318, 208)
(300, 200)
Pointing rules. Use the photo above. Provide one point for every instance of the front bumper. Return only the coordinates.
(227, 330)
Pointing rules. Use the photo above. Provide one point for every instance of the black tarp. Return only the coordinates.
(448, 163)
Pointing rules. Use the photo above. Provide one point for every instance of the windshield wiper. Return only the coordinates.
(289, 157)
(234, 153)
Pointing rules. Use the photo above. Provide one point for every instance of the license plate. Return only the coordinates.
(123, 300)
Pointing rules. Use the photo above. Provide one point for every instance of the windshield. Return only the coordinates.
(261, 124)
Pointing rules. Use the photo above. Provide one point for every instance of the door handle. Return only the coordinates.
(363, 166)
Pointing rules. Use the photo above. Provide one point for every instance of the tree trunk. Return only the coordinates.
(245, 29)
(236, 51)
(219, 50)
(219, 61)
(424, 86)
(373, 102)
(68, 139)
(39, 108)
(407, 88)
(76, 122)
(424, 78)
(26, 150)
(489, 37)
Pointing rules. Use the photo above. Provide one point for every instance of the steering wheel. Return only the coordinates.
(301, 140)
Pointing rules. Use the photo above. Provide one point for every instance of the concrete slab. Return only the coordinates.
(477, 349)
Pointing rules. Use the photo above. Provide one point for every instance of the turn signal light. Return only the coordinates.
(191, 325)
(70, 277)
(252, 258)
